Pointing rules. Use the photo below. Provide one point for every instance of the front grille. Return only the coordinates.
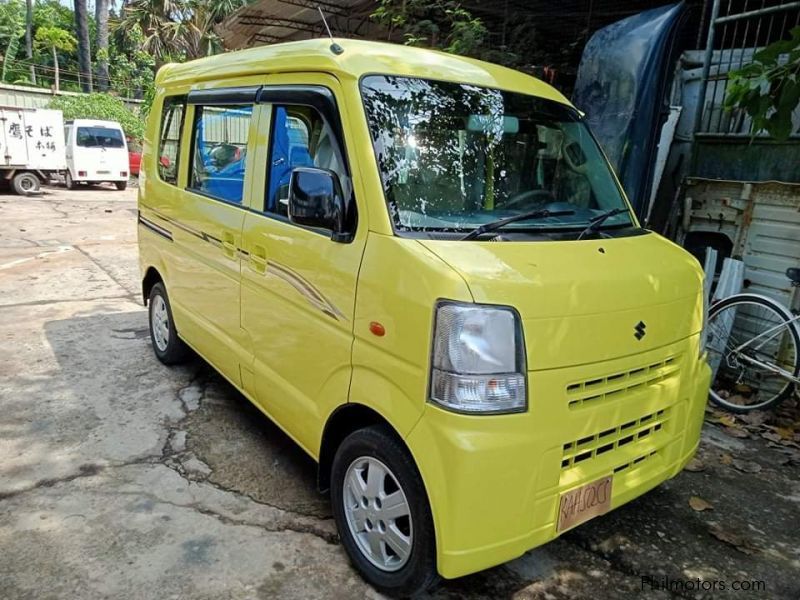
(618, 385)
(592, 446)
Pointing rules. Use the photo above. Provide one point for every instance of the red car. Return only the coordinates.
(135, 157)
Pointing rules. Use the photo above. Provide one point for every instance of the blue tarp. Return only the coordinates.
(622, 86)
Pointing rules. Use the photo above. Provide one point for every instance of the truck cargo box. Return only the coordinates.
(32, 139)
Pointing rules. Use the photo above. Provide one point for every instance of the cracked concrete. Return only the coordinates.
(121, 478)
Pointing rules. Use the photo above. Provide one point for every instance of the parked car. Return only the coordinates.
(96, 153)
(134, 156)
(31, 147)
(424, 270)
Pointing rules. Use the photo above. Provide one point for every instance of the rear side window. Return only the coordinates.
(169, 141)
(218, 156)
(99, 137)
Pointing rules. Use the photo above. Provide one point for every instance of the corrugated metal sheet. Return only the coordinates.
(272, 21)
(762, 222)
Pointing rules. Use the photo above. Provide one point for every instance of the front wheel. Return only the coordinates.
(382, 513)
(752, 347)
(69, 181)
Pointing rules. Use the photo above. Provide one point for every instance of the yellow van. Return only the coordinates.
(423, 269)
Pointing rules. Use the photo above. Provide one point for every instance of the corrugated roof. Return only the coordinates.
(275, 21)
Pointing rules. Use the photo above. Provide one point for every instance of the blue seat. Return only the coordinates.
(286, 154)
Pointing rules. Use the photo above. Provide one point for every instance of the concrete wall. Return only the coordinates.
(20, 96)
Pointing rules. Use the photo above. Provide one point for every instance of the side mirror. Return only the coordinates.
(316, 200)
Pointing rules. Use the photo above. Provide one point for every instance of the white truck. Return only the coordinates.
(31, 147)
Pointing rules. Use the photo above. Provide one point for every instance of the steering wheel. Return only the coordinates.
(518, 199)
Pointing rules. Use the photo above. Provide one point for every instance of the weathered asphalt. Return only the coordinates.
(121, 478)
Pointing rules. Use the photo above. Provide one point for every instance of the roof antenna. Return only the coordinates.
(335, 48)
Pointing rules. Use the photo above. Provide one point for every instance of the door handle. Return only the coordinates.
(258, 259)
(228, 245)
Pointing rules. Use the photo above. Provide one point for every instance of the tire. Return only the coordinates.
(25, 183)
(771, 313)
(69, 182)
(121, 185)
(362, 520)
(168, 347)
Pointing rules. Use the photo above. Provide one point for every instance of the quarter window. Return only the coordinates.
(169, 141)
(218, 156)
(300, 138)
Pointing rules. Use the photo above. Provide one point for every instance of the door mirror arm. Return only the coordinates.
(316, 200)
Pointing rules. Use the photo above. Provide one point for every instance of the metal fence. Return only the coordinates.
(737, 30)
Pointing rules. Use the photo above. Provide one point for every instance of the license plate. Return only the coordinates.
(581, 504)
(103, 172)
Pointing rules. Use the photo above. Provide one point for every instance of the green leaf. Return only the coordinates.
(779, 126)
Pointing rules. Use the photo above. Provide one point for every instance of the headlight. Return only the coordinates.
(478, 359)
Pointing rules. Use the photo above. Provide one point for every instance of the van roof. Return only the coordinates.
(359, 58)
(93, 122)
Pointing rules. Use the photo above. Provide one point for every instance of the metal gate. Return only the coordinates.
(736, 31)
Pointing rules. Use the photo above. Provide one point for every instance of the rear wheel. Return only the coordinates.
(121, 185)
(169, 348)
(25, 183)
(68, 181)
(382, 513)
(748, 338)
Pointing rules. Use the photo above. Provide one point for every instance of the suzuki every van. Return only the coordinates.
(423, 269)
(96, 152)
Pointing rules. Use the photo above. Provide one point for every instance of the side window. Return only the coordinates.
(300, 138)
(169, 140)
(218, 157)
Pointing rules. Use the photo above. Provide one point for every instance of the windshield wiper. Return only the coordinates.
(541, 213)
(595, 222)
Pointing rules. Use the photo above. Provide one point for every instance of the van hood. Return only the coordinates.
(585, 301)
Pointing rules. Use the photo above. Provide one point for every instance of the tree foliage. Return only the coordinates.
(101, 107)
(447, 25)
(178, 29)
(55, 37)
(143, 34)
(12, 29)
(768, 89)
(440, 24)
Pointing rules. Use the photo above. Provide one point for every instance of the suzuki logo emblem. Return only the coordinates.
(640, 329)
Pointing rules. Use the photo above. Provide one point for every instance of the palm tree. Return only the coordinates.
(178, 29)
(55, 39)
(101, 19)
(84, 48)
(29, 38)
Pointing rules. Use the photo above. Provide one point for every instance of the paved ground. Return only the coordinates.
(120, 478)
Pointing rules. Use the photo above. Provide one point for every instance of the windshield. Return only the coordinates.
(453, 157)
(99, 137)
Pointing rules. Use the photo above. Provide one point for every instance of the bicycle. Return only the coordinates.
(753, 345)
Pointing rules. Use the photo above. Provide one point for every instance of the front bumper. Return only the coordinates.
(494, 482)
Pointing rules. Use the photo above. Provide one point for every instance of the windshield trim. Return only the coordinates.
(425, 232)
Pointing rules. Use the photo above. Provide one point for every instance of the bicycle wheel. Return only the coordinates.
(746, 335)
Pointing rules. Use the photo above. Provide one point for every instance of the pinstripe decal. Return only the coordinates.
(148, 224)
(303, 286)
(306, 289)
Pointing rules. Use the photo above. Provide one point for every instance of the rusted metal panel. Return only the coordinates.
(761, 220)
